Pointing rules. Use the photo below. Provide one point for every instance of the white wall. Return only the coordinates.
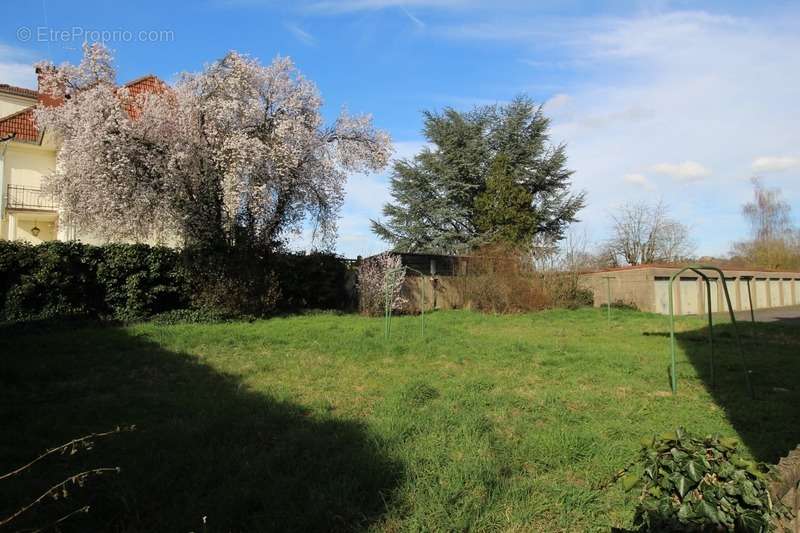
(10, 104)
(25, 164)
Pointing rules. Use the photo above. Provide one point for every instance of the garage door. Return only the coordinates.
(786, 289)
(689, 303)
(730, 283)
(760, 297)
(715, 298)
(743, 296)
(661, 305)
(775, 292)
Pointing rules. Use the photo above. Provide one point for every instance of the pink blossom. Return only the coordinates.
(237, 149)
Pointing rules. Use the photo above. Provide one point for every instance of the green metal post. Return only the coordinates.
(738, 338)
(673, 375)
(710, 329)
(752, 313)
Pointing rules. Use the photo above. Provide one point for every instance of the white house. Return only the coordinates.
(26, 155)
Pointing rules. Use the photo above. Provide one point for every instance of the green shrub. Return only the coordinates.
(55, 279)
(241, 281)
(315, 280)
(16, 259)
(136, 281)
(192, 316)
(691, 483)
(232, 281)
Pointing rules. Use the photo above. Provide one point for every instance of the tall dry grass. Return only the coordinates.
(504, 279)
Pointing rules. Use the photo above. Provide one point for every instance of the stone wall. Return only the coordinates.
(786, 489)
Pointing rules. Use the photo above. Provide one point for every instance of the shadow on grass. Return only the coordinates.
(205, 446)
(769, 424)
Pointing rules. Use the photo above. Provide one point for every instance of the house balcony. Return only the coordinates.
(25, 198)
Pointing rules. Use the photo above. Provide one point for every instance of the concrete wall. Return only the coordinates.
(637, 287)
(646, 287)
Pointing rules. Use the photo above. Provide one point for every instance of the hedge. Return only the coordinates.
(136, 281)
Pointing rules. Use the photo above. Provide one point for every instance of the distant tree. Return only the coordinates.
(674, 242)
(490, 174)
(774, 241)
(643, 233)
(570, 254)
(770, 216)
(237, 153)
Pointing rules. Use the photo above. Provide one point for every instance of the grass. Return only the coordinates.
(510, 423)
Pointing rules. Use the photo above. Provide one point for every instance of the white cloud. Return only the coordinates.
(639, 180)
(774, 163)
(367, 192)
(686, 171)
(365, 196)
(408, 149)
(16, 67)
(300, 34)
(633, 113)
(556, 101)
(356, 237)
(347, 6)
(690, 91)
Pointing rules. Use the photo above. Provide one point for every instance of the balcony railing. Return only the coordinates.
(21, 197)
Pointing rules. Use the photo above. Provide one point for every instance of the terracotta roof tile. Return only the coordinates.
(145, 84)
(148, 80)
(21, 124)
(18, 91)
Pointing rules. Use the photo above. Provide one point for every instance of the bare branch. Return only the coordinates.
(60, 490)
(73, 446)
(644, 233)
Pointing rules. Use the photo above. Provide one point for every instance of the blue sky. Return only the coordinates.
(682, 101)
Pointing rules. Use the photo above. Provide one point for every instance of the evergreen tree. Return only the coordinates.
(490, 174)
(503, 210)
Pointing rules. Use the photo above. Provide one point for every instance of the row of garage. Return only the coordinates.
(647, 288)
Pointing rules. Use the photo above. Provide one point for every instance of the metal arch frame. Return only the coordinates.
(698, 269)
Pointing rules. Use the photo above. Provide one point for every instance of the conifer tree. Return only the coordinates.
(488, 174)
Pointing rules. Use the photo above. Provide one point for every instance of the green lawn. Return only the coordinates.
(505, 423)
